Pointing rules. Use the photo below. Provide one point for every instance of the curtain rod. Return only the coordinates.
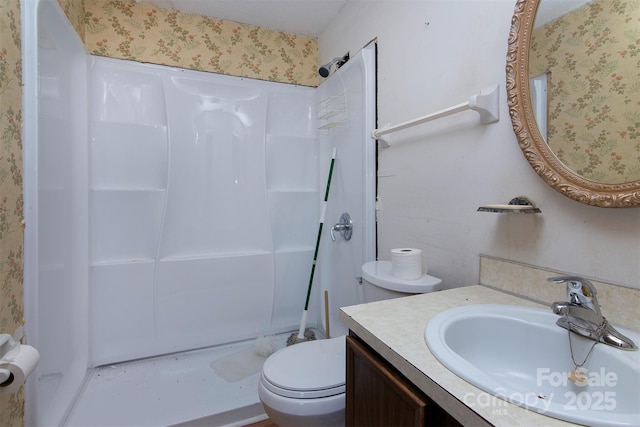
(486, 103)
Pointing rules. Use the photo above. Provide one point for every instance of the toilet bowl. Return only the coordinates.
(304, 384)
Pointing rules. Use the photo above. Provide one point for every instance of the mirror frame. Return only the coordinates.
(535, 149)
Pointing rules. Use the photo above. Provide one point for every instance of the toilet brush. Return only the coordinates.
(307, 334)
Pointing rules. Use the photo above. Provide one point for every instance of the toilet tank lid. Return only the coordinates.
(379, 273)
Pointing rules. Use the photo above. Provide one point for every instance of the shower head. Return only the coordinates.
(328, 68)
(325, 70)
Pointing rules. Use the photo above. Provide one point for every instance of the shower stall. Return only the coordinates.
(171, 220)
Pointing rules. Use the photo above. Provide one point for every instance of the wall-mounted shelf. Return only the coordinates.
(517, 205)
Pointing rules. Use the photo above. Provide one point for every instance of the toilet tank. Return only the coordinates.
(380, 284)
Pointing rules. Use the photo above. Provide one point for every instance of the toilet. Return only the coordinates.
(304, 384)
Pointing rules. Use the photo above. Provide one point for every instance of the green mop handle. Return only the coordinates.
(324, 210)
(303, 321)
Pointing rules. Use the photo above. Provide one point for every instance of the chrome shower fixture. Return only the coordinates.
(333, 65)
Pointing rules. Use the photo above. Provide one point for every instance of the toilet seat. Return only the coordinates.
(307, 370)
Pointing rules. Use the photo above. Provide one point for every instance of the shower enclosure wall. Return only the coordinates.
(203, 208)
(170, 210)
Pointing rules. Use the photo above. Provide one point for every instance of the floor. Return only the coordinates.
(218, 385)
(265, 423)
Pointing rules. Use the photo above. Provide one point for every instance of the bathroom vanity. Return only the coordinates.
(389, 365)
(379, 395)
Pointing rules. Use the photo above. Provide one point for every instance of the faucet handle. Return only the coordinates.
(576, 283)
(580, 291)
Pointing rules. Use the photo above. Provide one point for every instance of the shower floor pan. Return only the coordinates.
(215, 386)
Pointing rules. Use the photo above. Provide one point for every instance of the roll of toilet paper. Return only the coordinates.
(406, 263)
(16, 366)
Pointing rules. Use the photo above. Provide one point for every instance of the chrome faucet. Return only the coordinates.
(581, 314)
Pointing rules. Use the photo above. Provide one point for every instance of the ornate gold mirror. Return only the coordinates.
(578, 72)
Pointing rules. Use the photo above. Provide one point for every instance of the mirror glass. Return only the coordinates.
(573, 82)
(588, 55)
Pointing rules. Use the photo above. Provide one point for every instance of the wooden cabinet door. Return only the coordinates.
(377, 395)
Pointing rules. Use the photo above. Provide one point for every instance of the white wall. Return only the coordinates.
(434, 54)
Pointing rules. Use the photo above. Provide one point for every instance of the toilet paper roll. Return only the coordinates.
(406, 263)
(16, 366)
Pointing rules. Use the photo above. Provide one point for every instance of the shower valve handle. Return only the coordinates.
(344, 227)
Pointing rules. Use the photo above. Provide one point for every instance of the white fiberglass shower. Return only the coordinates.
(174, 212)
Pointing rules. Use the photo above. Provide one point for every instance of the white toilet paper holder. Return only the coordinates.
(17, 362)
(7, 347)
(7, 343)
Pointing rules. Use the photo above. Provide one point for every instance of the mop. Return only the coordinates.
(308, 334)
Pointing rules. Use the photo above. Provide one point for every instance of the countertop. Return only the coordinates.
(395, 329)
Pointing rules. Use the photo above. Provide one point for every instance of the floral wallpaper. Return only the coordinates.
(592, 60)
(74, 9)
(11, 200)
(143, 32)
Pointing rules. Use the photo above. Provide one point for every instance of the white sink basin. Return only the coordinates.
(520, 355)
